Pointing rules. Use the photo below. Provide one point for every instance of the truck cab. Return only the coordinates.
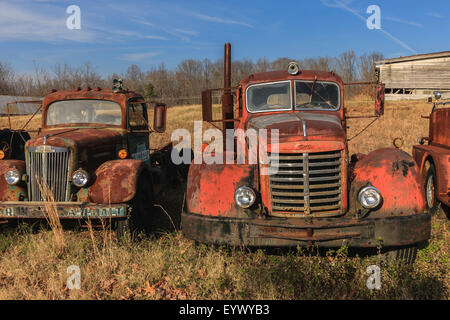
(319, 194)
(91, 159)
(433, 158)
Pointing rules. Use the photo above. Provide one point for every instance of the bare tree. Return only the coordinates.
(6, 76)
(183, 84)
(347, 66)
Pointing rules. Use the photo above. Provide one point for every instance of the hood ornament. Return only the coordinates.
(45, 138)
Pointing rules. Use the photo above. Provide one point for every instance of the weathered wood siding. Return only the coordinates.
(419, 74)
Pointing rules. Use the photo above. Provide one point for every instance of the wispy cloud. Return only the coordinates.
(182, 34)
(205, 17)
(16, 22)
(411, 23)
(135, 57)
(434, 15)
(344, 4)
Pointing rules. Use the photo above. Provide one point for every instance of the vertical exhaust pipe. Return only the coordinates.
(227, 97)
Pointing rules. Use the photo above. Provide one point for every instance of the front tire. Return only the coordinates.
(430, 190)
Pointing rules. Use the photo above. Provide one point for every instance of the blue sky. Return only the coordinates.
(116, 34)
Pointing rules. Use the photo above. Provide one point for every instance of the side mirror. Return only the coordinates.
(207, 105)
(160, 117)
(379, 99)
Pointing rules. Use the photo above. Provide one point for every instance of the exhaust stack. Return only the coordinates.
(227, 97)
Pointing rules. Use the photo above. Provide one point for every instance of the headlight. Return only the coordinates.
(244, 197)
(369, 197)
(80, 178)
(12, 176)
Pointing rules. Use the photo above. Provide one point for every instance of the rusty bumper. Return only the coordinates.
(322, 232)
(66, 210)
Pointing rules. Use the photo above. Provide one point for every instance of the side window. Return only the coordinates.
(137, 118)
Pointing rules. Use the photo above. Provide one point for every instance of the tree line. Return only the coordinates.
(183, 84)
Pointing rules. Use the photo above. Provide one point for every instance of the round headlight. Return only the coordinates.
(80, 178)
(369, 197)
(12, 176)
(244, 197)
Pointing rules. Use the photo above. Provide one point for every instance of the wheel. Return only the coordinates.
(121, 228)
(430, 190)
(405, 255)
(140, 219)
(446, 210)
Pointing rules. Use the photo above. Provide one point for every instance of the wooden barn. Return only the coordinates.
(415, 77)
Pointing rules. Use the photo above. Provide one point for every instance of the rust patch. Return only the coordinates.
(115, 181)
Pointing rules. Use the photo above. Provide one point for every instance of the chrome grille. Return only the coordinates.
(307, 183)
(51, 166)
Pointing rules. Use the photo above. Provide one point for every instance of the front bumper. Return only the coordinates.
(322, 232)
(65, 210)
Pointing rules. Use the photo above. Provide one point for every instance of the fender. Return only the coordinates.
(8, 192)
(396, 175)
(116, 181)
(211, 188)
(441, 159)
(420, 154)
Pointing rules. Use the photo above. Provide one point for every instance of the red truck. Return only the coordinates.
(91, 159)
(433, 158)
(320, 195)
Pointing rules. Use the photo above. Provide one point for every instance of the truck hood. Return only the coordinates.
(91, 146)
(301, 125)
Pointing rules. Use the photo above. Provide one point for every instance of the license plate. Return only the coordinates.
(64, 212)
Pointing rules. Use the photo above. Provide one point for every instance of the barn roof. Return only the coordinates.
(426, 56)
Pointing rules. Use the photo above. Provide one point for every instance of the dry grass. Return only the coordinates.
(172, 267)
(51, 215)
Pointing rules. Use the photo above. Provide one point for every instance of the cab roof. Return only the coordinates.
(284, 75)
(87, 93)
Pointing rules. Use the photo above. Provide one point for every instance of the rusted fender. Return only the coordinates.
(211, 187)
(116, 181)
(396, 175)
(8, 192)
(440, 157)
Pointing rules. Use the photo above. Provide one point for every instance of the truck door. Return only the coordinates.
(138, 143)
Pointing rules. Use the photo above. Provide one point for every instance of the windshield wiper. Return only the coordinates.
(55, 134)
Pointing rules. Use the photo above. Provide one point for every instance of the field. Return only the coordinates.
(34, 261)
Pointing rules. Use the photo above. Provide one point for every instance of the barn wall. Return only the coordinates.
(419, 74)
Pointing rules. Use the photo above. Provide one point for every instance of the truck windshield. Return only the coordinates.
(269, 97)
(316, 95)
(84, 111)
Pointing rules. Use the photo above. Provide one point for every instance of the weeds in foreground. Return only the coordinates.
(51, 214)
(172, 267)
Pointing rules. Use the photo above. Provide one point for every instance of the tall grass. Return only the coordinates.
(51, 214)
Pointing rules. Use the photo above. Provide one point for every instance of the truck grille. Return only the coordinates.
(51, 166)
(307, 183)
